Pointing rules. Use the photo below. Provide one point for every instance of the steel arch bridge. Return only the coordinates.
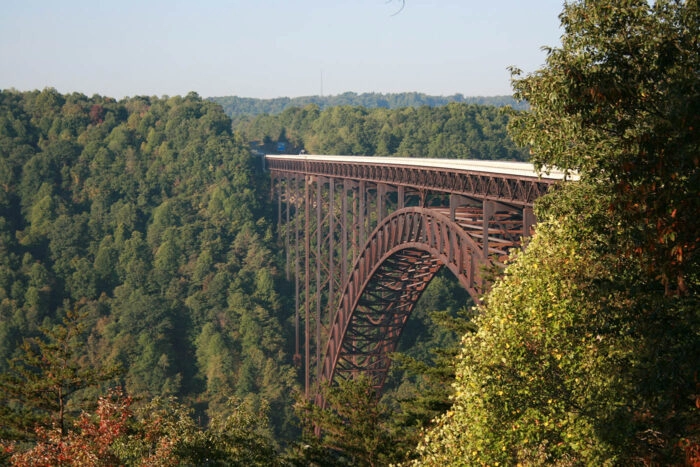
(364, 236)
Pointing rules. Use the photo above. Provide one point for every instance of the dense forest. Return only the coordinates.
(140, 275)
(457, 131)
(143, 217)
(235, 106)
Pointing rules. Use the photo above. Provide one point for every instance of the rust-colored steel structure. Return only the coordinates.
(364, 236)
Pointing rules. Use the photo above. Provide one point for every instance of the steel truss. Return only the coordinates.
(363, 243)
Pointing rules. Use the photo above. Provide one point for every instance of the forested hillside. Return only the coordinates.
(235, 106)
(142, 216)
(458, 131)
(139, 286)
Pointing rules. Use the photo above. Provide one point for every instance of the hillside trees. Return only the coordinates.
(620, 103)
(237, 107)
(455, 130)
(147, 211)
(586, 352)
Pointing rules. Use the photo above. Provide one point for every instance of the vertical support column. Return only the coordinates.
(355, 219)
(331, 253)
(381, 202)
(320, 183)
(529, 220)
(287, 225)
(344, 234)
(488, 210)
(362, 211)
(276, 188)
(297, 269)
(401, 197)
(454, 201)
(307, 284)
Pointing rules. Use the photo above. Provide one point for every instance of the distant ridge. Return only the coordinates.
(235, 106)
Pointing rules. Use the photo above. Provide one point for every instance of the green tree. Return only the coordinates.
(163, 433)
(242, 437)
(217, 364)
(571, 363)
(42, 379)
(586, 351)
(352, 425)
(619, 103)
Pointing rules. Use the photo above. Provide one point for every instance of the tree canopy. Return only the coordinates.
(235, 106)
(456, 130)
(619, 102)
(147, 215)
(586, 351)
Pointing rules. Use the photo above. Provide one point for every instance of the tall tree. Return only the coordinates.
(619, 103)
(579, 359)
(586, 351)
(42, 379)
(353, 426)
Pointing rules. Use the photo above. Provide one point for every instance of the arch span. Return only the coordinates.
(399, 260)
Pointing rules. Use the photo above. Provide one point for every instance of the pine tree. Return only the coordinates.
(41, 380)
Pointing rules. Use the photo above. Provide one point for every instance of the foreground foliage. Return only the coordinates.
(586, 352)
(619, 102)
(578, 359)
(161, 433)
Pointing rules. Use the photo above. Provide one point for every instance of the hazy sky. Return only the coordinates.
(272, 48)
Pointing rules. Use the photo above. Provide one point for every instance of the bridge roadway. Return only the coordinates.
(365, 235)
(519, 169)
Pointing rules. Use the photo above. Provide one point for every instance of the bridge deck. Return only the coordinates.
(519, 169)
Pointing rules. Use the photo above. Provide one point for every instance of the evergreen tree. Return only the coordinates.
(41, 381)
(352, 425)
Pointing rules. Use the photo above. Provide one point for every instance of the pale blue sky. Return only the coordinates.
(272, 48)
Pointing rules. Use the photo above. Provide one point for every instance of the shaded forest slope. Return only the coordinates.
(144, 213)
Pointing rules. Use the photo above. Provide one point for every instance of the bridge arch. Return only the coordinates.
(399, 260)
(326, 205)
